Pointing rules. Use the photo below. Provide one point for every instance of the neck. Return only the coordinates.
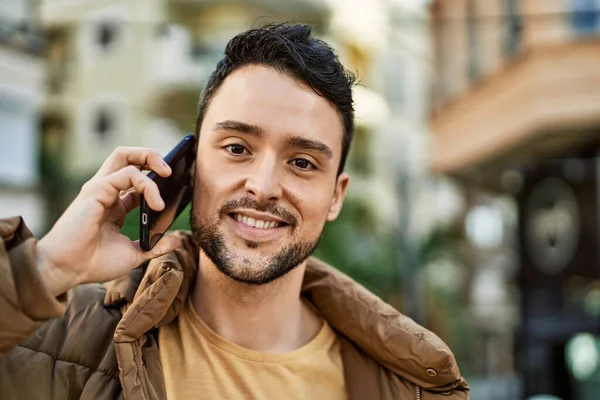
(270, 318)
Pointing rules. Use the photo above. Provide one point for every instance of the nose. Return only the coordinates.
(262, 181)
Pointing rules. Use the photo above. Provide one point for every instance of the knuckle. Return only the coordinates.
(120, 150)
(131, 170)
(138, 178)
(87, 186)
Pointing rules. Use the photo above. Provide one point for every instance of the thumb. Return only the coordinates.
(166, 244)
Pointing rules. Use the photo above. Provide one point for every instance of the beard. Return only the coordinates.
(259, 271)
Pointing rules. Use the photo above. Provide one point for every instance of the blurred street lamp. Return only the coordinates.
(484, 226)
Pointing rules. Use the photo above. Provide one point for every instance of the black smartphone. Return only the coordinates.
(176, 191)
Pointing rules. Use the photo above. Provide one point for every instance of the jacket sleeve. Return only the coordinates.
(25, 302)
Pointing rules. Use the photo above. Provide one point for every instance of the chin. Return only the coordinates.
(254, 271)
(256, 253)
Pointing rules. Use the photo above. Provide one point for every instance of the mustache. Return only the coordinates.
(270, 208)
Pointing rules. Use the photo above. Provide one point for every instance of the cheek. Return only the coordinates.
(313, 202)
(214, 183)
(215, 171)
(206, 187)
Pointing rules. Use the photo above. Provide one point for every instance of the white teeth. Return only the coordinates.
(256, 223)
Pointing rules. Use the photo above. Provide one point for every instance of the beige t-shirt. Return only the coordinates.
(200, 364)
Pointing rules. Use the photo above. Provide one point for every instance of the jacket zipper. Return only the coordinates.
(418, 392)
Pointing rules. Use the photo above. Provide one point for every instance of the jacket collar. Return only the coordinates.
(153, 294)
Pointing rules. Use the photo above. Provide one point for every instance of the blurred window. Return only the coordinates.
(585, 16)
(17, 136)
(512, 27)
(57, 53)
(105, 123)
(107, 34)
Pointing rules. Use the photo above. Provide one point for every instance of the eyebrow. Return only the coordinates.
(240, 127)
(256, 131)
(308, 144)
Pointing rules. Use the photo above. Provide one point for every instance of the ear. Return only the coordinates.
(192, 173)
(341, 185)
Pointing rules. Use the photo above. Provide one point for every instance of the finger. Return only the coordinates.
(166, 244)
(131, 200)
(141, 157)
(107, 190)
(123, 193)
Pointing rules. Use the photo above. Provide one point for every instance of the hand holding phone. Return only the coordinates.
(176, 191)
(83, 246)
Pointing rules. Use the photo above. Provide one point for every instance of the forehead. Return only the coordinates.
(280, 105)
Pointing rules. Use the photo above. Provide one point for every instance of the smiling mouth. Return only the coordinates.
(256, 223)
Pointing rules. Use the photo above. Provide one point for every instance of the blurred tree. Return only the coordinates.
(353, 245)
(447, 302)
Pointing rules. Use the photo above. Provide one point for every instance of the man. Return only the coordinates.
(237, 309)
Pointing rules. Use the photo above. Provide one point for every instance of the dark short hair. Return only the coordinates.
(289, 49)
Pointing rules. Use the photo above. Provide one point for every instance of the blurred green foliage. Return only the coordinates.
(447, 306)
(353, 245)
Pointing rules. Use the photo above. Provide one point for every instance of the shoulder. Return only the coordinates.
(83, 335)
(384, 341)
(367, 378)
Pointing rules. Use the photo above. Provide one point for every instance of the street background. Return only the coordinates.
(475, 192)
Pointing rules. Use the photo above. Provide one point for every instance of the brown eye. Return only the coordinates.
(236, 149)
(303, 164)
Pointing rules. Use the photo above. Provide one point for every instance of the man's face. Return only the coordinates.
(266, 174)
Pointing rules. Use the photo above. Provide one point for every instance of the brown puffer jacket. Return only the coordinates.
(100, 341)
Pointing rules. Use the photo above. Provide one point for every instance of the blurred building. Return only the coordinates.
(515, 114)
(194, 39)
(102, 63)
(21, 85)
